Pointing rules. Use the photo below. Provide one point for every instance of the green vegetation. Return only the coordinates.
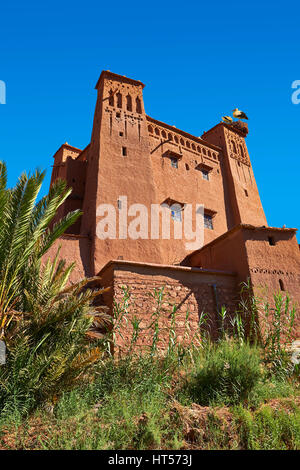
(144, 402)
(42, 322)
(60, 391)
(226, 373)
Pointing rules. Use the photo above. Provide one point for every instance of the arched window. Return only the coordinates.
(150, 129)
(170, 136)
(164, 135)
(119, 100)
(138, 105)
(157, 131)
(111, 98)
(182, 141)
(233, 146)
(188, 144)
(128, 103)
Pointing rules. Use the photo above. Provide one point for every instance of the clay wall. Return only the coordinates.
(190, 290)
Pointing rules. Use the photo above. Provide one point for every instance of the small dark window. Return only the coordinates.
(281, 285)
(129, 103)
(187, 166)
(118, 115)
(111, 98)
(246, 192)
(124, 151)
(119, 100)
(208, 222)
(174, 162)
(121, 134)
(119, 204)
(205, 174)
(138, 105)
(271, 241)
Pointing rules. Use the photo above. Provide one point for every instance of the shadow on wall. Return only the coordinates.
(193, 291)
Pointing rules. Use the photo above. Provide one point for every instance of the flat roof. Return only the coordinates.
(231, 127)
(240, 227)
(109, 74)
(70, 147)
(173, 267)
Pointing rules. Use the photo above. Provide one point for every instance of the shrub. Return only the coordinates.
(226, 372)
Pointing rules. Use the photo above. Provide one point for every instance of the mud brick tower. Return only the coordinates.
(133, 159)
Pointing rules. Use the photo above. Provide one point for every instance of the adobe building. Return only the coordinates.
(150, 162)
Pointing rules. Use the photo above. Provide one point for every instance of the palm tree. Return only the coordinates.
(25, 235)
(43, 321)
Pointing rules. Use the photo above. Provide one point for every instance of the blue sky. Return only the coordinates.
(199, 60)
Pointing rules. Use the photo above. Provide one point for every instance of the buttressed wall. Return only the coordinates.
(150, 162)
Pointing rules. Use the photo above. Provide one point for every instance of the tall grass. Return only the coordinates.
(270, 325)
